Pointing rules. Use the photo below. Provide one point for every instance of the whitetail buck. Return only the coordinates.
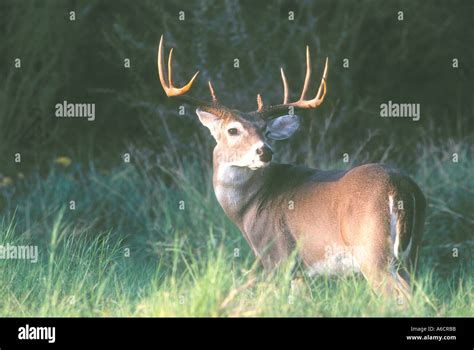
(368, 219)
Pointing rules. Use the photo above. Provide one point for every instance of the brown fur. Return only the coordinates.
(330, 208)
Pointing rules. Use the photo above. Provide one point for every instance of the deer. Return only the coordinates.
(367, 220)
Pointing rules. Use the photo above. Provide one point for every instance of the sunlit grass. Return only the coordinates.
(75, 277)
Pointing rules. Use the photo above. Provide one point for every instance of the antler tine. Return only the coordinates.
(322, 85)
(285, 86)
(169, 88)
(213, 94)
(160, 59)
(259, 103)
(170, 69)
(308, 75)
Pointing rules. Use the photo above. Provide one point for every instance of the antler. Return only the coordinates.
(168, 86)
(302, 103)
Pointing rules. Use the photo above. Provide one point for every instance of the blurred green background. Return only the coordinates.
(82, 61)
(407, 61)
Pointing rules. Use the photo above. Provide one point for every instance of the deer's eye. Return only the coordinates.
(233, 131)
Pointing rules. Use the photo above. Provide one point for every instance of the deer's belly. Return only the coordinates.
(338, 261)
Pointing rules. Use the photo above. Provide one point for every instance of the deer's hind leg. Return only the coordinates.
(386, 277)
(377, 262)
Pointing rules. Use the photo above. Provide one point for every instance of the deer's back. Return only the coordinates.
(320, 209)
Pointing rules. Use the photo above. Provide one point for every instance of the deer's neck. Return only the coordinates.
(236, 188)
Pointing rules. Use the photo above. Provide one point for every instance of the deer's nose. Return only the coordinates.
(265, 153)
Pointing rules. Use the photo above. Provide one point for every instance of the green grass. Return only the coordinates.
(129, 250)
(76, 277)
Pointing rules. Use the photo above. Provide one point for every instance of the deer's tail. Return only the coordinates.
(407, 215)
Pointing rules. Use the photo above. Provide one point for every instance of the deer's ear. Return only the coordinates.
(209, 120)
(283, 127)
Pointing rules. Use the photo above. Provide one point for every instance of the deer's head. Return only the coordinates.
(242, 136)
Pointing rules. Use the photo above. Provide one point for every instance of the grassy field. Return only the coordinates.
(144, 244)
